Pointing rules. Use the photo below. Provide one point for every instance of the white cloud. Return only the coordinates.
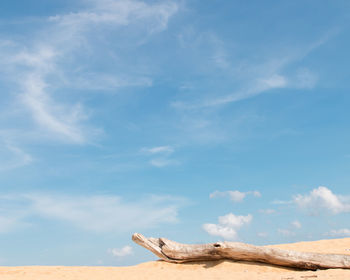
(158, 150)
(235, 221)
(162, 162)
(322, 198)
(92, 213)
(217, 230)
(122, 252)
(344, 232)
(228, 226)
(267, 211)
(296, 224)
(235, 196)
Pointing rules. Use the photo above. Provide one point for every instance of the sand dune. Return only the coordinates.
(199, 270)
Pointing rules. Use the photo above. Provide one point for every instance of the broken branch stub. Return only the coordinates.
(174, 252)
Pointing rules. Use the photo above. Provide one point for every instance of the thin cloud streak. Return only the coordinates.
(99, 214)
(255, 79)
(119, 13)
(163, 162)
(158, 150)
(49, 114)
(344, 232)
(235, 196)
(13, 157)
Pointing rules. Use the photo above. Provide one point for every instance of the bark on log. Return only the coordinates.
(174, 252)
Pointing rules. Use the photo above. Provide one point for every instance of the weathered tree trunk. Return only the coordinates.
(174, 252)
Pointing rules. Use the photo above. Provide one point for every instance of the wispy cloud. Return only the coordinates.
(31, 69)
(260, 85)
(281, 202)
(12, 215)
(235, 196)
(93, 81)
(292, 231)
(106, 213)
(47, 62)
(267, 211)
(158, 150)
(162, 154)
(228, 226)
(252, 77)
(8, 224)
(120, 13)
(91, 213)
(122, 252)
(256, 86)
(296, 224)
(344, 232)
(54, 117)
(162, 162)
(13, 156)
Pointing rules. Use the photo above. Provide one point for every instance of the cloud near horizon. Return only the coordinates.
(122, 252)
(344, 232)
(235, 196)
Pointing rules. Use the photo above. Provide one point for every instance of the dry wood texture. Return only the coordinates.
(171, 251)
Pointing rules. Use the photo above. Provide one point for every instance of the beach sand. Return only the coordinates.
(199, 270)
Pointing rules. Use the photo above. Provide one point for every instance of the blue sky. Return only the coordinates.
(194, 120)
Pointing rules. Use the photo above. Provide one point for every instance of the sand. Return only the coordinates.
(199, 270)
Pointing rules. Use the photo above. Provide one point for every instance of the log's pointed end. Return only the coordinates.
(152, 244)
(145, 242)
(137, 237)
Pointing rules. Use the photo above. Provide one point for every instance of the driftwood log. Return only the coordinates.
(174, 252)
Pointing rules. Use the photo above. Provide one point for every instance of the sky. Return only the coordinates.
(193, 120)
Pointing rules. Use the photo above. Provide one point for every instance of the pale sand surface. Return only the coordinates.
(200, 270)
